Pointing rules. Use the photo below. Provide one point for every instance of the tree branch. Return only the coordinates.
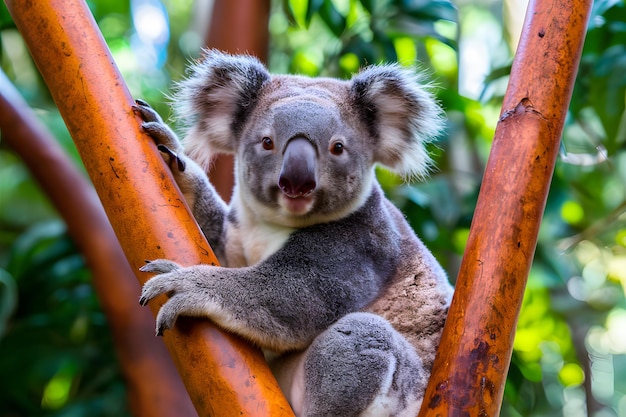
(469, 374)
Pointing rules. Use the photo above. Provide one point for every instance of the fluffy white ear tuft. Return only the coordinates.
(215, 101)
(401, 114)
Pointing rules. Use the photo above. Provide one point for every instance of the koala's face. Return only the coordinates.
(305, 148)
(301, 157)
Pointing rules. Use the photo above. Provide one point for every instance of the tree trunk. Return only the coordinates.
(154, 387)
(223, 375)
(469, 373)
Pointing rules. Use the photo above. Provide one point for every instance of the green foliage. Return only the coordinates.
(569, 351)
(349, 34)
(57, 352)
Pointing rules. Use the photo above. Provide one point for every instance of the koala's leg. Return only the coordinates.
(361, 366)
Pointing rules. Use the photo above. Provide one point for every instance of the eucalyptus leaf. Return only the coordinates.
(335, 21)
(430, 10)
(6, 21)
(313, 8)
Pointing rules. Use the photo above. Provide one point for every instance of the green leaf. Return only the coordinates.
(6, 21)
(8, 299)
(288, 11)
(406, 25)
(599, 8)
(297, 11)
(430, 10)
(38, 248)
(335, 21)
(607, 93)
(313, 8)
(369, 5)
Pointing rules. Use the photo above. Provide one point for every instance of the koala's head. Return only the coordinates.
(304, 147)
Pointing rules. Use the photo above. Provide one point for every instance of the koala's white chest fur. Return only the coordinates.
(250, 241)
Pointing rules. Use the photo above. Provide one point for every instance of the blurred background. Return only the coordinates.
(569, 357)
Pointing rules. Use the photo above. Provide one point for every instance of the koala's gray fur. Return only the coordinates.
(315, 256)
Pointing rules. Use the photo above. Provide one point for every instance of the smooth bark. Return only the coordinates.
(470, 370)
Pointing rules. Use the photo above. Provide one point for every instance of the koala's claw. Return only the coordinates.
(169, 313)
(168, 281)
(158, 284)
(143, 301)
(154, 125)
(180, 164)
(160, 266)
(146, 112)
(142, 103)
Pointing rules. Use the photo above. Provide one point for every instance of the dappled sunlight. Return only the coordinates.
(57, 391)
(610, 338)
(152, 32)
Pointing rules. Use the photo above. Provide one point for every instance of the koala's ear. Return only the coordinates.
(400, 114)
(216, 100)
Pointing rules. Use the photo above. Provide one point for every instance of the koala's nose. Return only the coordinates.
(298, 173)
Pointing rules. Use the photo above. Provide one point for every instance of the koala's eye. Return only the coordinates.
(336, 148)
(268, 143)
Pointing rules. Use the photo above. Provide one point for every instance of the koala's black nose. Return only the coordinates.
(298, 174)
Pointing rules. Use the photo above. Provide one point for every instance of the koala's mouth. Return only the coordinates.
(294, 195)
(296, 204)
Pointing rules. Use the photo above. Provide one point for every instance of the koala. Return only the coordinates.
(320, 270)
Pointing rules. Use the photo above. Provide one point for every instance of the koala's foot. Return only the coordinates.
(361, 366)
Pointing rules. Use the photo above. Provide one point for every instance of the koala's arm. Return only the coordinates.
(281, 303)
(206, 206)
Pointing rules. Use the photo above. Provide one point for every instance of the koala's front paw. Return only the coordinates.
(160, 132)
(188, 175)
(171, 281)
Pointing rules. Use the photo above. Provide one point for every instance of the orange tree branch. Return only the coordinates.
(223, 374)
(145, 363)
(469, 374)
